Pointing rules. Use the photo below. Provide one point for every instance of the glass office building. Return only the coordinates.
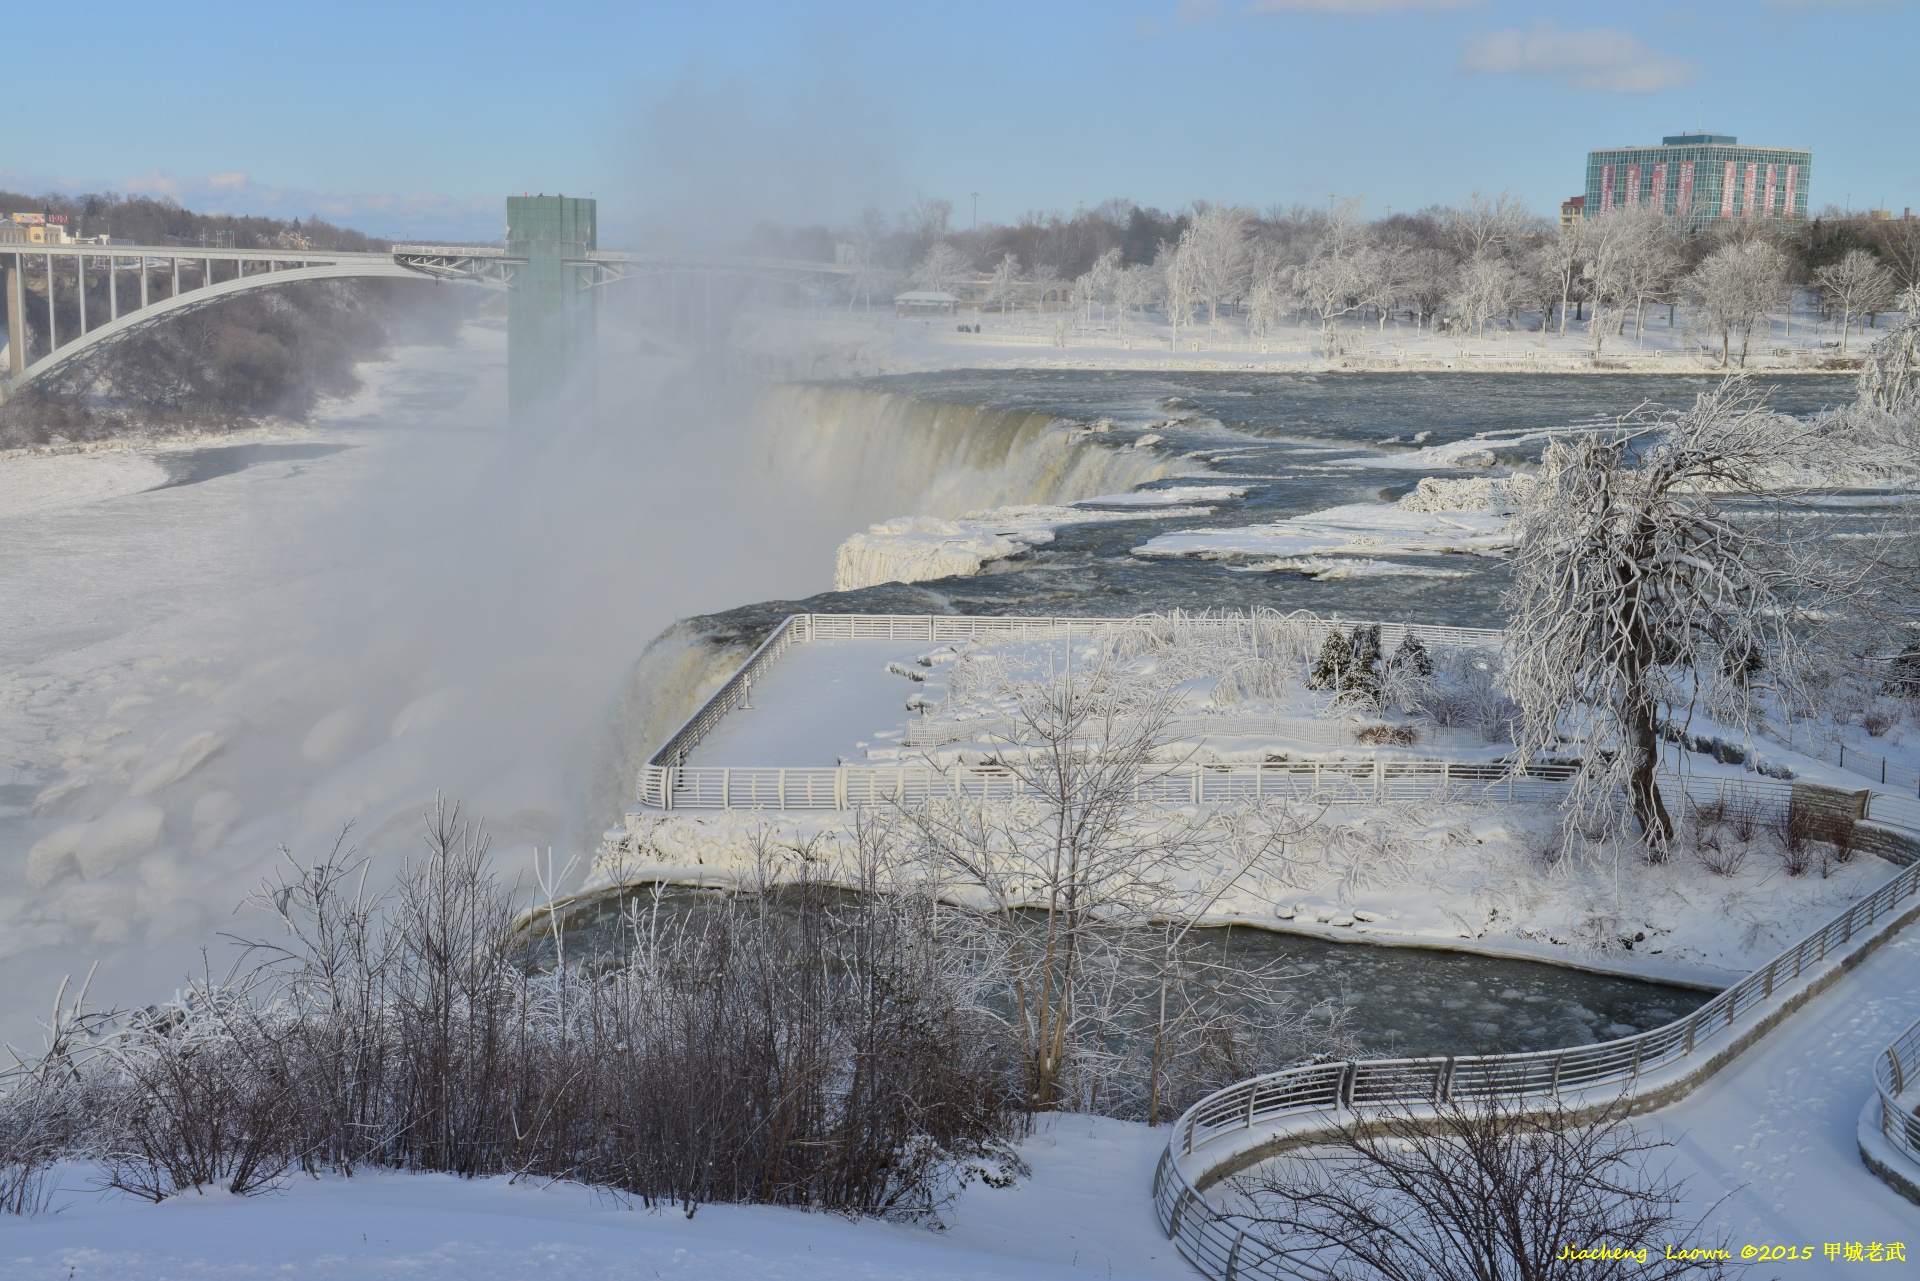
(1701, 178)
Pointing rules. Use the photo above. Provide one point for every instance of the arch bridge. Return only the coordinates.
(545, 279)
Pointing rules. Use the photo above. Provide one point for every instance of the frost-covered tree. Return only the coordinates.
(1135, 286)
(1854, 286)
(1099, 283)
(1556, 263)
(1890, 375)
(1004, 290)
(1637, 593)
(1736, 287)
(941, 269)
(1622, 249)
(1217, 255)
(1332, 284)
(1498, 226)
(1486, 288)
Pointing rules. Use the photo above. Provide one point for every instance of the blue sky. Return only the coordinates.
(693, 121)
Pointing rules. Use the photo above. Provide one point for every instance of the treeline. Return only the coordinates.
(145, 220)
(1471, 268)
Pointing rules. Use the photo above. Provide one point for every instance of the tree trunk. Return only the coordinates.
(1643, 790)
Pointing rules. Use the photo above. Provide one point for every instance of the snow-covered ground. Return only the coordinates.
(832, 343)
(1086, 1210)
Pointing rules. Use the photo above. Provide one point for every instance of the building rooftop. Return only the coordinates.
(1699, 140)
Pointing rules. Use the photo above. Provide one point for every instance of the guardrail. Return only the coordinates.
(929, 732)
(1314, 1099)
(1335, 782)
(799, 629)
(1897, 1068)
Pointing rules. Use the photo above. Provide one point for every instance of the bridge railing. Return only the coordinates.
(1312, 1101)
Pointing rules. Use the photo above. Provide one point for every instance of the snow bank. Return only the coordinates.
(1086, 1210)
(1439, 516)
(1169, 496)
(32, 483)
(1335, 568)
(913, 549)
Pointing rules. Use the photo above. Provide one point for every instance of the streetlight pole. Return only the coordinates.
(976, 211)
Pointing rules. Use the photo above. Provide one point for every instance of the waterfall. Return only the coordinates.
(953, 469)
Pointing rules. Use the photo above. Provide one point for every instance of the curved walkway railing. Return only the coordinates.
(1303, 1104)
(1896, 1071)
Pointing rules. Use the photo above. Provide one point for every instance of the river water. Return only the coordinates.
(1300, 443)
(1400, 1001)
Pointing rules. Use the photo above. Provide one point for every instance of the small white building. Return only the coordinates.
(924, 302)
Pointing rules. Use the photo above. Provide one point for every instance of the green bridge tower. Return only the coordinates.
(551, 325)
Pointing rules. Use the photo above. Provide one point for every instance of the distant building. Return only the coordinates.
(1701, 178)
(1572, 211)
(924, 302)
(42, 229)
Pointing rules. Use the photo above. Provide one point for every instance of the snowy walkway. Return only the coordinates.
(1085, 1212)
(1775, 1132)
(816, 705)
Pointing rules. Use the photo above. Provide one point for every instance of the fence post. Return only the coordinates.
(840, 787)
(783, 787)
(666, 797)
(726, 792)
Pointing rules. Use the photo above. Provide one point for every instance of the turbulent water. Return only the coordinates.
(1400, 1001)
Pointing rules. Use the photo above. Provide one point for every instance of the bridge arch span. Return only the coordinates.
(131, 322)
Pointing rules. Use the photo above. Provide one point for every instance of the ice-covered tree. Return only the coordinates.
(1890, 375)
(1637, 593)
(941, 269)
(1004, 290)
(1736, 287)
(1099, 283)
(1486, 288)
(1855, 285)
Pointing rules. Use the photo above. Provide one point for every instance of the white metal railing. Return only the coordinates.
(932, 732)
(1336, 782)
(797, 629)
(1894, 1072)
(1313, 1099)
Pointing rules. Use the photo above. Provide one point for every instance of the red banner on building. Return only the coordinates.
(1750, 199)
(1657, 190)
(1633, 185)
(1683, 203)
(1606, 188)
(1789, 205)
(1773, 187)
(1726, 193)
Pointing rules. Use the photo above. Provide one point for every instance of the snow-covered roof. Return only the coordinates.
(924, 295)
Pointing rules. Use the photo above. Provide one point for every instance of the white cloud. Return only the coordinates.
(1604, 60)
(233, 180)
(1358, 6)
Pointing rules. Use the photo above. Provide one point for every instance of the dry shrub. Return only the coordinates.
(1388, 736)
(1478, 1187)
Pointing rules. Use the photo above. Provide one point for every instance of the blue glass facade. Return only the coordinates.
(1702, 178)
